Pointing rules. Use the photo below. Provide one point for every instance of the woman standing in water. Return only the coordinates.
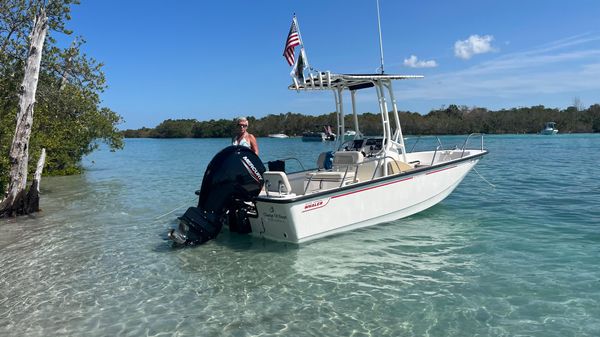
(243, 137)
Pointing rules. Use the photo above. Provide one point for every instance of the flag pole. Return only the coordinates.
(301, 41)
(380, 39)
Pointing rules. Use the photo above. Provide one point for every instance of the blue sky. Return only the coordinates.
(222, 59)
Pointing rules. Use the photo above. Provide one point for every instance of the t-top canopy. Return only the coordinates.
(327, 80)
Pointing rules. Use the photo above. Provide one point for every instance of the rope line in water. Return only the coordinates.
(173, 210)
(480, 176)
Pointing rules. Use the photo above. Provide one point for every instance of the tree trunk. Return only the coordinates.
(14, 202)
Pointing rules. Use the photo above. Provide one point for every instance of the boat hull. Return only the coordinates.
(362, 205)
(549, 132)
(549, 129)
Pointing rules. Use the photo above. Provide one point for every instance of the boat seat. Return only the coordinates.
(346, 162)
(322, 180)
(324, 162)
(348, 158)
(330, 176)
(340, 158)
(277, 183)
(398, 166)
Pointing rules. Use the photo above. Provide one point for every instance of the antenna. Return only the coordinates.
(380, 40)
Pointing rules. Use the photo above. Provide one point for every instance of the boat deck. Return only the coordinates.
(351, 168)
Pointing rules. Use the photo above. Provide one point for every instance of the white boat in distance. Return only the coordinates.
(549, 129)
(371, 180)
(349, 135)
(278, 135)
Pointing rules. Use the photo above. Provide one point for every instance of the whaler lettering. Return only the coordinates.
(313, 204)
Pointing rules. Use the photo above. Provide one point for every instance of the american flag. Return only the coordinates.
(293, 40)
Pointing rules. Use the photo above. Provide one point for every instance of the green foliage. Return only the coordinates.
(450, 120)
(594, 117)
(68, 120)
(5, 139)
(213, 128)
(69, 125)
(181, 128)
(139, 133)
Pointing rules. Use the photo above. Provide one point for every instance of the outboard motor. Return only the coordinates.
(232, 180)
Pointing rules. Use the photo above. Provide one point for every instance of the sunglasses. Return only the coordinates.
(243, 125)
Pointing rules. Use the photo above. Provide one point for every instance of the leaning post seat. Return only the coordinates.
(325, 161)
(277, 183)
(344, 169)
(342, 158)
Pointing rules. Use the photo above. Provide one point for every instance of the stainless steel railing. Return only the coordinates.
(464, 147)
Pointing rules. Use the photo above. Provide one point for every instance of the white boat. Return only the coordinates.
(350, 135)
(278, 135)
(549, 129)
(369, 181)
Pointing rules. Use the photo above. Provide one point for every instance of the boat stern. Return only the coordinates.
(275, 221)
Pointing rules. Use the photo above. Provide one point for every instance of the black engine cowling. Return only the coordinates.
(232, 180)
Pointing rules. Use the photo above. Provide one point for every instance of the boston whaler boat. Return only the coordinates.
(372, 180)
(369, 180)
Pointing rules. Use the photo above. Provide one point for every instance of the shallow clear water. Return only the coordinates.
(520, 259)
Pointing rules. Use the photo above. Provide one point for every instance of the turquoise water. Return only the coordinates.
(520, 259)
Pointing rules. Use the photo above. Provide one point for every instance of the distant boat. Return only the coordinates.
(549, 129)
(319, 136)
(312, 136)
(349, 135)
(278, 135)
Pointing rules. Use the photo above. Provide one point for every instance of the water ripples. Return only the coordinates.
(518, 259)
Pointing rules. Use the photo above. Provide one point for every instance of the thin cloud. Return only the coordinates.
(475, 44)
(555, 71)
(413, 62)
(562, 67)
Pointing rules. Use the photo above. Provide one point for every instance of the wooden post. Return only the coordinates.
(14, 200)
(32, 202)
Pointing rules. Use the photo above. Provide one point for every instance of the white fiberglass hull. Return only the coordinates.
(549, 131)
(361, 205)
